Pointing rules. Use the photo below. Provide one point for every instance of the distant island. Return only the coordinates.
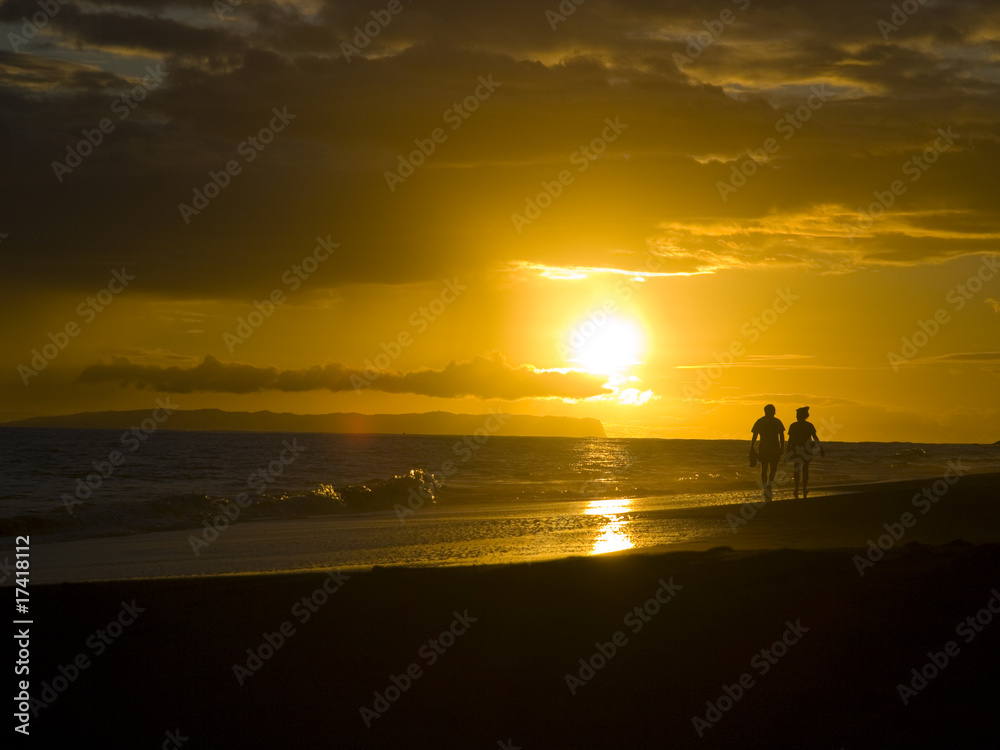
(429, 423)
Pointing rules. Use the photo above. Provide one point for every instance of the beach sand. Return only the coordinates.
(771, 637)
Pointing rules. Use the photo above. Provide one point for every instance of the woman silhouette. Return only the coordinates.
(802, 445)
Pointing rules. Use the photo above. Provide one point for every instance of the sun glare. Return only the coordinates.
(607, 347)
(614, 535)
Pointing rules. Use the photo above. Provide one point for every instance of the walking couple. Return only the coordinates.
(802, 445)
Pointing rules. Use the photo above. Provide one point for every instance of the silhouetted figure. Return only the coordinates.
(802, 445)
(772, 445)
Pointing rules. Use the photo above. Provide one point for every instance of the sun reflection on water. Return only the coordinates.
(613, 536)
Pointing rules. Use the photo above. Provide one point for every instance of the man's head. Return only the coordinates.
(802, 413)
(769, 410)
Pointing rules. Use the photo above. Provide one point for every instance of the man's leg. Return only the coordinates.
(768, 468)
(805, 479)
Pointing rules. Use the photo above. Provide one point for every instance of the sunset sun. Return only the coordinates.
(607, 347)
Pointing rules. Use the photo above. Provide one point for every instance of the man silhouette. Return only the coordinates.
(772, 445)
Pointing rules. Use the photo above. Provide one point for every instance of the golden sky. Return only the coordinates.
(660, 214)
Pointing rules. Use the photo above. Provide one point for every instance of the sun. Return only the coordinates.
(606, 346)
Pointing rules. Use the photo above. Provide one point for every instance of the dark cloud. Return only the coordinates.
(689, 125)
(151, 34)
(482, 377)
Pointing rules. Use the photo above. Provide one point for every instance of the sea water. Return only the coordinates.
(184, 503)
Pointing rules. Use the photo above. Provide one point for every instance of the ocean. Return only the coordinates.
(229, 502)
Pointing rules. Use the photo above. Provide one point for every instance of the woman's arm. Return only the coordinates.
(818, 443)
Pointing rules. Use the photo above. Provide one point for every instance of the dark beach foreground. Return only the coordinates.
(733, 648)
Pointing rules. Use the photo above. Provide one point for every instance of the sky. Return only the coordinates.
(663, 215)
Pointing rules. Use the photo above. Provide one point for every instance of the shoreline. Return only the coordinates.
(964, 511)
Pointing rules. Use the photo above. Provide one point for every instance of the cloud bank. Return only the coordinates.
(705, 97)
(481, 377)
